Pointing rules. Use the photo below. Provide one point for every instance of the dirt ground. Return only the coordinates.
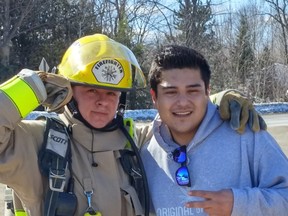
(280, 133)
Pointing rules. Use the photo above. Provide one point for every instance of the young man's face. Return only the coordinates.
(97, 106)
(181, 102)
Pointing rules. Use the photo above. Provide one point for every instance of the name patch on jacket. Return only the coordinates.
(57, 142)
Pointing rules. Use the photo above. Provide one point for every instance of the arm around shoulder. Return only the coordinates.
(239, 110)
(143, 133)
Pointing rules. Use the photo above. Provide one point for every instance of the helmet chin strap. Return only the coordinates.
(113, 125)
(122, 104)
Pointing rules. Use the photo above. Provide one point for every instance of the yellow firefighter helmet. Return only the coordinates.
(99, 61)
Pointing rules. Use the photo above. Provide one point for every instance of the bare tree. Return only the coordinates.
(280, 15)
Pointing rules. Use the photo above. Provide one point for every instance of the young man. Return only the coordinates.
(88, 177)
(195, 163)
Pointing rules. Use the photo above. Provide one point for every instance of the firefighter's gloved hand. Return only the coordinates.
(59, 91)
(240, 111)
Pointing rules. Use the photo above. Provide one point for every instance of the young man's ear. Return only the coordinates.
(208, 90)
(153, 96)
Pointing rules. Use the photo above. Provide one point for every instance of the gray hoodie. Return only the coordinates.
(251, 164)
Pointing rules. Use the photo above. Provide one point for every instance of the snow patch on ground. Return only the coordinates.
(149, 114)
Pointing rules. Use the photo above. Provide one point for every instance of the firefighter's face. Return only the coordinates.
(97, 106)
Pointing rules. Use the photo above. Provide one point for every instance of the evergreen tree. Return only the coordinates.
(59, 24)
(195, 20)
(244, 52)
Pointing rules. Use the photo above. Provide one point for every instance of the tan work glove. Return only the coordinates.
(239, 110)
(59, 91)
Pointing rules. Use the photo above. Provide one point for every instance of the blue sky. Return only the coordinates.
(234, 5)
